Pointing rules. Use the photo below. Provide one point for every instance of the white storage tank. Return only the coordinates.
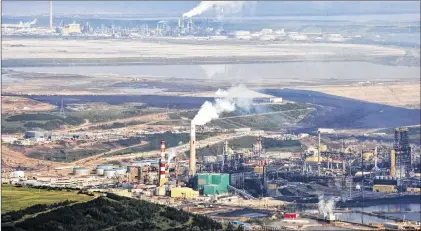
(267, 31)
(101, 167)
(109, 173)
(267, 37)
(100, 171)
(105, 166)
(80, 171)
(17, 174)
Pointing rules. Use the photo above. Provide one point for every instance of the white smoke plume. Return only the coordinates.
(219, 6)
(241, 95)
(210, 111)
(226, 101)
(326, 207)
(172, 154)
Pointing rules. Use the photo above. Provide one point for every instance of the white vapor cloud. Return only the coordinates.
(226, 101)
(219, 6)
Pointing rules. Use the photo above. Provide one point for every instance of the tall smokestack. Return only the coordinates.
(375, 158)
(226, 147)
(259, 145)
(51, 14)
(162, 165)
(318, 156)
(392, 163)
(192, 166)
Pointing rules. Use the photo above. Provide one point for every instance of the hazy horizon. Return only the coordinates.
(177, 8)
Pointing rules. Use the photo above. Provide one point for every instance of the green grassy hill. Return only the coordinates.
(116, 213)
(16, 198)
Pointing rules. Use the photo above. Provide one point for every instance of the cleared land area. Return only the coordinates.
(399, 94)
(15, 198)
(13, 104)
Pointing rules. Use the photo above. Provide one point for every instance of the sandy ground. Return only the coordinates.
(12, 104)
(11, 159)
(398, 94)
(35, 48)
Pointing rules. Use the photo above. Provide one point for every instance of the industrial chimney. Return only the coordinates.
(51, 14)
(192, 166)
(162, 165)
(393, 163)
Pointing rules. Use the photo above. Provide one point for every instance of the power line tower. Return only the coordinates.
(62, 113)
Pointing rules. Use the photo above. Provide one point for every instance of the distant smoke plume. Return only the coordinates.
(240, 95)
(326, 207)
(226, 101)
(172, 154)
(219, 6)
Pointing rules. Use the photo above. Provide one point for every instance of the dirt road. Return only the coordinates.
(92, 161)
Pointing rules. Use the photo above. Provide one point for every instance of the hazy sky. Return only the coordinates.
(176, 8)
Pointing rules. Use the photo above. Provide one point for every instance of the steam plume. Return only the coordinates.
(326, 206)
(220, 6)
(226, 101)
(171, 155)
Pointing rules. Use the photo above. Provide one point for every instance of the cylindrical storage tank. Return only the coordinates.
(120, 171)
(109, 173)
(100, 171)
(80, 171)
(101, 167)
(17, 174)
(104, 166)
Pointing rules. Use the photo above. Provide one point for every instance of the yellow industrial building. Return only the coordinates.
(410, 189)
(368, 156)
(258, 169)
(323, 148)
(71, 28)
(184, 192)
(315, 158)
(384, 188)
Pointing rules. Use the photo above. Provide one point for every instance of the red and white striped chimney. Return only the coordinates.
(162, 161)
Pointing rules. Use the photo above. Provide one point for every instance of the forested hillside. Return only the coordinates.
(114, 212)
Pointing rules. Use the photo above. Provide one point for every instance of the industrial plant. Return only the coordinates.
(209, 120)
(386, 172)
(181, 28)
